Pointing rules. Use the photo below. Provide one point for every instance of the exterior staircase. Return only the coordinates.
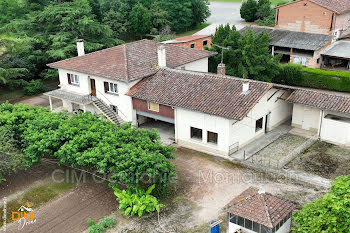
(108, 112)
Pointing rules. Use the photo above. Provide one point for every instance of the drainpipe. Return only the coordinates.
(320, 127)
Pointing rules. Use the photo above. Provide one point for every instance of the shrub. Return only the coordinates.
(330, 213)
(137, 201)
(91, 222)
(33, 87)
(290, 74)
(248, 10)
(264, 9)
(108, 222)
(97, 228)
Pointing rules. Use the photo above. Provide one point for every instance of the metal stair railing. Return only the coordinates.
(110, 103)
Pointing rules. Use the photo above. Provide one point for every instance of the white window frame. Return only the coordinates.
(112, 88)
(74, 79)
(149, 106)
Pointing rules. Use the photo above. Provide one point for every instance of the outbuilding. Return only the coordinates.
(257, 211)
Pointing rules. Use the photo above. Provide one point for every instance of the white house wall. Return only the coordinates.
(185, 119)
(122, 101)
(199, 65)
(306, 118)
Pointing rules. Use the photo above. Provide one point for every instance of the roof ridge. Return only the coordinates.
(126, 63)
(267, 212)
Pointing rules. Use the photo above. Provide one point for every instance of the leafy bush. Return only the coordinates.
(290, 74)
(330, 213)
(97, 228)
(33, 87)
(108, 222)
(127, 154)
(326, 79)
(248, 10)
(100, 227)
(268, 21)
(137, 201)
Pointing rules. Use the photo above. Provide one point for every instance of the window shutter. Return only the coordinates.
(69, 80)
(106, 86)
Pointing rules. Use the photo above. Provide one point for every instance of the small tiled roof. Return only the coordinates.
(337, 6)
(185, 39)
(263, 208)
(205, 92)
(339, 49)
(292, 39)
(322, 100)
(130, 61)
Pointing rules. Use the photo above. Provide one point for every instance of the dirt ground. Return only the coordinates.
(205, 184)
(323, 159)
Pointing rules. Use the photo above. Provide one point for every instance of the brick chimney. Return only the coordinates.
(80, 47)
(221, 69)
(161, 56)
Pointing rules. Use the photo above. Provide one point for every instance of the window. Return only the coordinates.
(192, 45)
(114, 108)
(256, 227)
(259, 124)
(111, 87)
(73, 79)
(248, 224)
(153, 106)
(212, 137)
(196, 133)
(205, 42)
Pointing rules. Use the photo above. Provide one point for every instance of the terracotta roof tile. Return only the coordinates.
(264, 208)
(322, 100)
(205, 92)
(130, 61)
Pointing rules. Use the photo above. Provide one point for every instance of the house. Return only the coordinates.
(329, 17)
(194, 41)
(211, 113)
(98, 81)
(337, 56)
(327, 114)
(257, 211)
(296, 47)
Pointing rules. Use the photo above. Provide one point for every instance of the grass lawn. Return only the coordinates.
(191, 32)
(36, 196)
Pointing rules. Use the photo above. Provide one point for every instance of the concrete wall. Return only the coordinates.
(122, 101)
(305, 16)
(336, 131)
(201, 65)
(306, 118)
(185, 119)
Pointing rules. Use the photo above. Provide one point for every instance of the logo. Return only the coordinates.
(24, 216)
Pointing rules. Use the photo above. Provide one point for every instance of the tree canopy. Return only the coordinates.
(330, 213)
(248, 56)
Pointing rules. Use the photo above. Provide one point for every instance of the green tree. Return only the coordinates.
(330, 213)
(248, 10)
(200, 11)
(140, 20)
(248, 55)
(159, 16)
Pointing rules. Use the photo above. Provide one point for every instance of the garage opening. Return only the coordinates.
(166, 130)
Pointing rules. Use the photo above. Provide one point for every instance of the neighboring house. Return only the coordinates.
(337, 56)
(98, 81)
(327, 114)
(296, 47)
(256, 211)
(330, 17)
(211, 113)
(195, 41)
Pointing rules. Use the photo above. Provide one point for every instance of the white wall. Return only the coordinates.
(185, 119)
(122, 101)
(336, 131)
(306, 117)
(278, 112)
(201, 65)
(285, 228)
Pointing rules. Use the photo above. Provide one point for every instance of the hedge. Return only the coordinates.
(326, 79)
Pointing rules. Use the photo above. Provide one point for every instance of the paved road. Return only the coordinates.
(225, 12)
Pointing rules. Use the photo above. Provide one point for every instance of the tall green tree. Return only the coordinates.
(140, 20)
(248, 10)
(248, 55)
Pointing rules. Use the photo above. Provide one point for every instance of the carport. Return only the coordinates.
(337, 56)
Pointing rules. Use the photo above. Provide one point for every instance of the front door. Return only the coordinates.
(93, 87)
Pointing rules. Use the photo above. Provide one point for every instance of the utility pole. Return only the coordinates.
(222, 51)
